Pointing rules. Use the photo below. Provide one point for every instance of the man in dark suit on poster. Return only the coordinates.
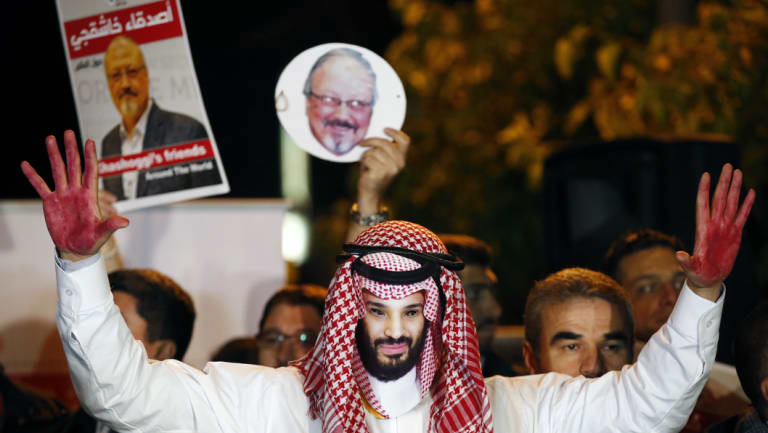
(147, 126)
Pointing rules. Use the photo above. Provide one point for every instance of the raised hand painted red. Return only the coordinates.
(71, 210)
(718, 231)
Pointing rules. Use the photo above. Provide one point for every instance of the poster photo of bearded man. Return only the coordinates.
(331, 97)
(397, 351)
(136, 93)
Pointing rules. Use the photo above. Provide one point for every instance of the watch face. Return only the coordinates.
(371, 220)
(333, 96)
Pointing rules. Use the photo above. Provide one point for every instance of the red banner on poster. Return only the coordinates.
(154, 158)
(146, 23)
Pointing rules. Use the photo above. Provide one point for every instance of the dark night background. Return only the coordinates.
(238, 52)
(240, 48)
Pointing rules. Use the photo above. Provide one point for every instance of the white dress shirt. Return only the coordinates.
(399, 396)
(117, 384)
(132, 145)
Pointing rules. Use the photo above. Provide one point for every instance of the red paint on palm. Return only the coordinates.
(74, 222)
(718, 232)
(71, 210)
(715, 255)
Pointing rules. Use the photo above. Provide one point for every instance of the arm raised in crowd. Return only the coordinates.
(658, 392)
(718, 233)
(114, 379)
(379, 165)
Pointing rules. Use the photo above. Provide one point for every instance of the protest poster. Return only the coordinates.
(137, 96)
(331, 97)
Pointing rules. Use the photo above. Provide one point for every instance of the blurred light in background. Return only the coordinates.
(295, 237)
(294, 181)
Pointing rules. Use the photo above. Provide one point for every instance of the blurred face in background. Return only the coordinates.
(653, 279)
(129, 308)
(289, 332)
(480, 285)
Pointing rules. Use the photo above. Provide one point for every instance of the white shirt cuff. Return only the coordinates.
(82, 285)
(697, 316)
(69, 265)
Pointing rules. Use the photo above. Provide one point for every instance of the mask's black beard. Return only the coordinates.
(390, 371)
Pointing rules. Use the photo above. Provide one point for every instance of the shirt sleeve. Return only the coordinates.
(114, 379)
(656, 394)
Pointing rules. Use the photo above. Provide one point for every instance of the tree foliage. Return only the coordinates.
(495, 86)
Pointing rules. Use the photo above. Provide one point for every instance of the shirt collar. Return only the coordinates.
(141, 125)
(397, 396)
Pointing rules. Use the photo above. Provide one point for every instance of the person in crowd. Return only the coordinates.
(290, 324)
(288, 329)
(577, 322)
(480, 286)
(397, 350)
(752, 367)
(25, 410)
(644, 262)
(379, 166)
(158, 313)
(242, 350)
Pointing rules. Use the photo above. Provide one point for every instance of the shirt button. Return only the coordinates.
(710, 322)
(68, 292)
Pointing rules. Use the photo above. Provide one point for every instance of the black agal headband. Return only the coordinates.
(430, 264)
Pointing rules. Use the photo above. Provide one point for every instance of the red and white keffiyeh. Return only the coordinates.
(450, 368)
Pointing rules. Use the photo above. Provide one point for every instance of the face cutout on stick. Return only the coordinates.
(333, 96)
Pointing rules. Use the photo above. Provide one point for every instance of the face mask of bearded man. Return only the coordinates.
(391, 262)
(392, 367)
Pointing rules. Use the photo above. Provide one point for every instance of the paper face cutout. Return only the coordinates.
(332, 96)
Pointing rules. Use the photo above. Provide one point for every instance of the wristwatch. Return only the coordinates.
(368, 220)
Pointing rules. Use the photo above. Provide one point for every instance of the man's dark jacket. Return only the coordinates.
(164, 128)
(749, 422)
